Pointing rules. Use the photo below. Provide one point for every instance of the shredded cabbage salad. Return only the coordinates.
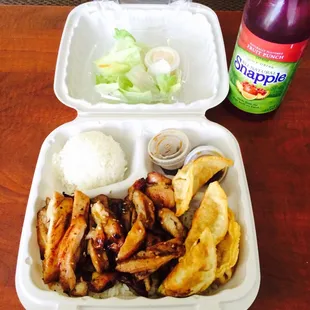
(122, 74)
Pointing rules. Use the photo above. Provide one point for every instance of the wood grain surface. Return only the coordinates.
(275, 150)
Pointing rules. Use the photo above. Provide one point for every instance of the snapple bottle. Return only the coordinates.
(272, 37)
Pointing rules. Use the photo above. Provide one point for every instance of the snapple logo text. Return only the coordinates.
(258, 77)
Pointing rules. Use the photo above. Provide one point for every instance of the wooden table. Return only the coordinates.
(276, 153)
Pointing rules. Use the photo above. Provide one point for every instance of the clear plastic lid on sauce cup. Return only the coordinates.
(169, 149)
(207, 150)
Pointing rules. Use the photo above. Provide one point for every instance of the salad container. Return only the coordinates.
(194, 31)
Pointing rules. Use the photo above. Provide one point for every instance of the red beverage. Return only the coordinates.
(272, 37)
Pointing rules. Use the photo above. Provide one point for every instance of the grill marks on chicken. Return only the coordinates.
(111, 226)
(59, 212)
(88, 245)
(160, 190)
(170, 223)
(152, 258)
(70, 246)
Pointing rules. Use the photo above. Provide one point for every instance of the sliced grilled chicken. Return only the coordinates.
(144, 208)
(157, 178)
(101, 282)
(67, 253)
(111, 226)
(136, 286)
(138, 185)
(162, 195)
(143, 275)
(80, 206)
(133, 241)
(147, 283)
(96, 250)
(152, 239)
(80, 290)
(160, 190)
(58, 222)
(126, 214)
(42, 227)
(137, 265)
(71, 245)
(171, 223)
(153, 258)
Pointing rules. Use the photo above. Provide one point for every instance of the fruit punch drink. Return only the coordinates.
(272, 37)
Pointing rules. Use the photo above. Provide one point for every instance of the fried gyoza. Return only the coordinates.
(228, 250)
(195, 271)
(171, 223)
(145, 208)
(133, 241)
(152, 258)
(110, 225)
(192, 176)
(212, 213)
(70, 246)
(59, 211)
(160, 191)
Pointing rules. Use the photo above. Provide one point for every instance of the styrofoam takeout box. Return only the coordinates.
(195, 32)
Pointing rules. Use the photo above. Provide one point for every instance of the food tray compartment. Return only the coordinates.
(192, 29)
(133, 135)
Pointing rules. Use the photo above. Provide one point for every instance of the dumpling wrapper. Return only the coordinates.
(195, 271)
(228, 250)
(212, 213)
(194, 175)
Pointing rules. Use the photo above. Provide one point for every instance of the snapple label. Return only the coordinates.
(260, 72)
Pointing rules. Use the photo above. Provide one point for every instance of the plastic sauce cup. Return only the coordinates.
(169, 149)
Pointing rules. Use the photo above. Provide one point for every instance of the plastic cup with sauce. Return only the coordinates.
(208, 150)
(169, 149)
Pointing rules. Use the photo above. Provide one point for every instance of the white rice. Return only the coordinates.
(90, 160)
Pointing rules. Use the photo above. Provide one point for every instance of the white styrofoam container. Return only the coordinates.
(194, 31)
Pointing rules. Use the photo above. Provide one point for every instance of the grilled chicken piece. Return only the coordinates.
(172, 246)
(101, 282)
(80, 206)
(71, 245)
(143, 275)
(133, 241)
(138, 185)
(160, 190)
(96, 250)
(162, 195)
(171, 223)
(153, 258)
(80, 290)
(111, 226)
(152, 239)
(127, 214)
(67, 253)
(137, 287)
(144, 208)
(58, 222)
(157, 178)
(147, 283)
(42, 227)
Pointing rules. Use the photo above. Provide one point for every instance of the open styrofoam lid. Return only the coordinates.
(190, 28)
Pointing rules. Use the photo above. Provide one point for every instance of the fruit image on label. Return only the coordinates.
(250, 91)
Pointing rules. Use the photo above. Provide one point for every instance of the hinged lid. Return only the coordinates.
(190, 28)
